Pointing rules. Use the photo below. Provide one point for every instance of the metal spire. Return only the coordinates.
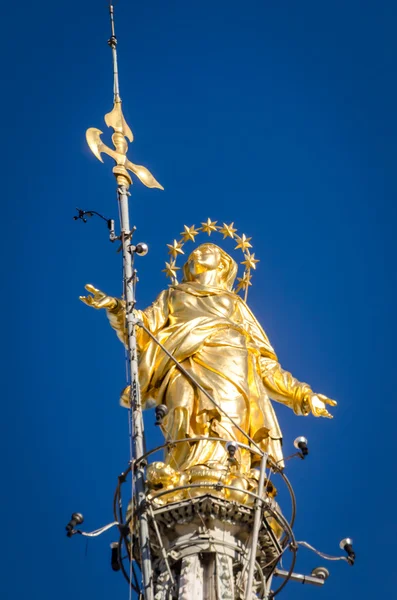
(115, 119)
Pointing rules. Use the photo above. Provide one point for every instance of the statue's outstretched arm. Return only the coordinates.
(153, 317)
(115, 309)
(280, 384)
(116, 316)
(284, 388)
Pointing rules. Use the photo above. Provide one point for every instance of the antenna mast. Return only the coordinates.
(115, 119)
(113, 44)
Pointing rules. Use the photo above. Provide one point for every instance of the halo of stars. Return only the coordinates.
(228, 231)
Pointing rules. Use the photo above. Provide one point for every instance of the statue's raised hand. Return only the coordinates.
(98, 299)
(318, 405)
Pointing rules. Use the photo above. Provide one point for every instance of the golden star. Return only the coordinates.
(171, 269)
(175, 249)
(243, 242)
(228, 230)
(189, 233)
(209, 226)
(244, 281)
(250, 261)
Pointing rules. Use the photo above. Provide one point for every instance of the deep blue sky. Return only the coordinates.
(280, 116)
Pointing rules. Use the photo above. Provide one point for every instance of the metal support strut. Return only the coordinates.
(256, 527)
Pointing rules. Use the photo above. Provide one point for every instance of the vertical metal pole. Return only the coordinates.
(116, 121)
(256, 527)
(135, 398)
(112, 43)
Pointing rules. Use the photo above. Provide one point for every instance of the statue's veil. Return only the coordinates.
(231, 267)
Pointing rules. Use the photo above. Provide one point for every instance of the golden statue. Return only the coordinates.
(211, 331)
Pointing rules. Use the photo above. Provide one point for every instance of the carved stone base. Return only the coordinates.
(207, 543)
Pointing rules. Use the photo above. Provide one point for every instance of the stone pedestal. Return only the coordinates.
(206, 540)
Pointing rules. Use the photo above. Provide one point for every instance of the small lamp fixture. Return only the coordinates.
(301, 444)
(141, 249)
(347, 546)
(320, 573)
(115, 556)
(77, 519)
(160, 411)
(231, 448)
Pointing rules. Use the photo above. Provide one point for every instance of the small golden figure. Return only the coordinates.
(211, 331)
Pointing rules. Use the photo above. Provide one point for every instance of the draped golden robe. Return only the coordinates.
(217, 339)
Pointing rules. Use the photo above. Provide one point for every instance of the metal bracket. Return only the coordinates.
(319, 581)
(83, 215)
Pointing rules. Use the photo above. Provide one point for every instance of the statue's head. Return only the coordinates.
(209, 257)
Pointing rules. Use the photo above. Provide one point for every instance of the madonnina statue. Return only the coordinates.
(211, 331)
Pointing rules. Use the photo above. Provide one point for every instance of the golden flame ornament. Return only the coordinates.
(115, 119)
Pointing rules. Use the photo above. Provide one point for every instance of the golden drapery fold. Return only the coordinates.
(217, 339)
